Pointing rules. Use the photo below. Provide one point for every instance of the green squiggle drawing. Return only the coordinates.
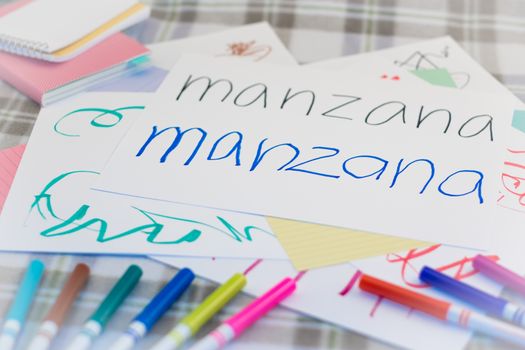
(78, 221)
(43, 195)
(95, 121)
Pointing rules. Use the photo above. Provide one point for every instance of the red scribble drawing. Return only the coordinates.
(463, 269)
(350, 284)
(515, 151)
(252, 266)
(405, 261)
(376, 306)
(459, 267)
(250, 48)
(300, 275)
(461, 264)
(513, 182)
(387, 77)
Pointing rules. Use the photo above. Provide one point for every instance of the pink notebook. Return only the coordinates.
(47, 82)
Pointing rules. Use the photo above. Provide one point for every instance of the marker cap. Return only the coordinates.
(463, 291)
(214, 302)
(260, 306)
(26, 291)
(116, 296)
(76, 281)
(165, 298)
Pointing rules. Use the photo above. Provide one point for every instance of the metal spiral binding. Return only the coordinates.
(29, 48)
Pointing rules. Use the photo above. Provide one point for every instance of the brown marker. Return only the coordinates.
(56, 315)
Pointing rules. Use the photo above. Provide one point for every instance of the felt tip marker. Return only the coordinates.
(490, 304)
(161, 303)
(443, 310)
(499, 273)
(17, 313)
(98, 320)
(56, 315)
(238, 323)
(193, 322)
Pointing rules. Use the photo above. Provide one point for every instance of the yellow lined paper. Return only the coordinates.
(311, 246)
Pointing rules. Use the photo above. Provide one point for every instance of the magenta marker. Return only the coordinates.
(238, 323)
(499, 273)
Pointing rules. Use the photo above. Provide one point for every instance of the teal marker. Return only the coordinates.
(18, 311)
(97, 322)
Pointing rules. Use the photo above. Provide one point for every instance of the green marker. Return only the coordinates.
(96, 323)
(191, 324)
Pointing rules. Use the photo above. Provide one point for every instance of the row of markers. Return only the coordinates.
(235, 325)
(146, 319)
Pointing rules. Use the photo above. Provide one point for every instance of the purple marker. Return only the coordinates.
(499, 273)
(488, 303)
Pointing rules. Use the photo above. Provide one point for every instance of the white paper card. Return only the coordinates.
(51, 208)
(364, 156)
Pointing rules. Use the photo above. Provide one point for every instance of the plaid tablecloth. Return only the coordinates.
(492, 31)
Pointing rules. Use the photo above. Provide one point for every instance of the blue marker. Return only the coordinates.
(490, 304)
(18, 311)
(145, 320)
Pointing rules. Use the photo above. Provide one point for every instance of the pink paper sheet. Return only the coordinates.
(9, 160)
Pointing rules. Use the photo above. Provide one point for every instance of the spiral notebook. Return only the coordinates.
(58, 30)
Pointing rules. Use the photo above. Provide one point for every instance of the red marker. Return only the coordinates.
(443, 310)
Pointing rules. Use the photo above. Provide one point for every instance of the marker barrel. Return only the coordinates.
(485, 325)
(216, 339)
(87, 335)
(499, 273)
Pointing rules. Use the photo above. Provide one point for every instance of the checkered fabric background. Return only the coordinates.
(492, 31)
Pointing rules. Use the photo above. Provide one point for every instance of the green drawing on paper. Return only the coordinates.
(435, 76)
(154, 225)
(518, 120)
(99, 121)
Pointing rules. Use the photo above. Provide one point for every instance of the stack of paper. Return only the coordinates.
(394, 158)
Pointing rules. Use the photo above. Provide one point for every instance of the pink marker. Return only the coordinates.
(238, 323)
(499, 273)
